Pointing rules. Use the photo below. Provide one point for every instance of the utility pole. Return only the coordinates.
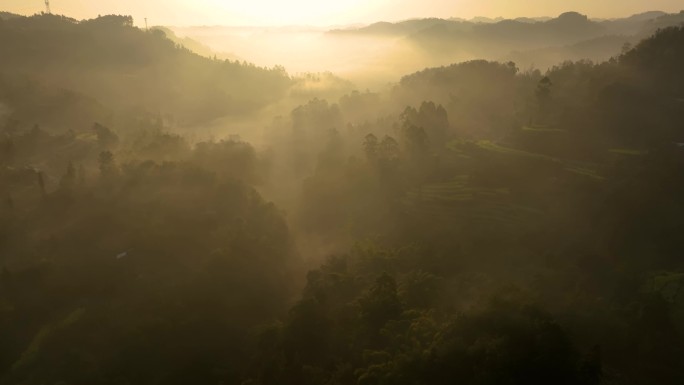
(47, 7)
(146, 29)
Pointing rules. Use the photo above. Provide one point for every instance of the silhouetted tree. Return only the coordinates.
(543, 94)
(41, 184)
(68, 181)
(106, 138)
(108, 166)
(381, 303)
(370, 147)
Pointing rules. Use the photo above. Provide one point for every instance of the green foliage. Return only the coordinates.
(381, 303)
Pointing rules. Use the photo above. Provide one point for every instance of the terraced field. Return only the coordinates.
(487, 148)
(628, 151)
(461, 202)
(457, 202)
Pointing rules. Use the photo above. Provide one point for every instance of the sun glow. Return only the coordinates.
(291, 12)
(326, 12)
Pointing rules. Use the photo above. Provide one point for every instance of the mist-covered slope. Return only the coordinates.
(126, 68)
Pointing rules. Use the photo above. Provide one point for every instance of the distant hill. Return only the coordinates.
(664, 21)
(403, 28)
(191, 44)
(646, 16)
(597, 50)
(482, 19)
(195, 46)
(571, 35)
(532, 19)
(631, 25)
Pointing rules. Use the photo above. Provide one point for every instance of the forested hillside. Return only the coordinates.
(128, 69)
(476, 223)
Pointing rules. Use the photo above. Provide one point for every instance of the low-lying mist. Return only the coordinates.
(369, 61)
(373, 56)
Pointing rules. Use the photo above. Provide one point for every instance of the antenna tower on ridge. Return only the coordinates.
(47, 6)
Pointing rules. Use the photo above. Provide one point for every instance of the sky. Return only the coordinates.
(329, 12)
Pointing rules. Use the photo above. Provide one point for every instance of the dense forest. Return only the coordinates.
(172, 218)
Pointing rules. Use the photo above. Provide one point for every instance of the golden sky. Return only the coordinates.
(327, 12)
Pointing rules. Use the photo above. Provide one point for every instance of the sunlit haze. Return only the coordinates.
(318, 192)
(327, 12)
